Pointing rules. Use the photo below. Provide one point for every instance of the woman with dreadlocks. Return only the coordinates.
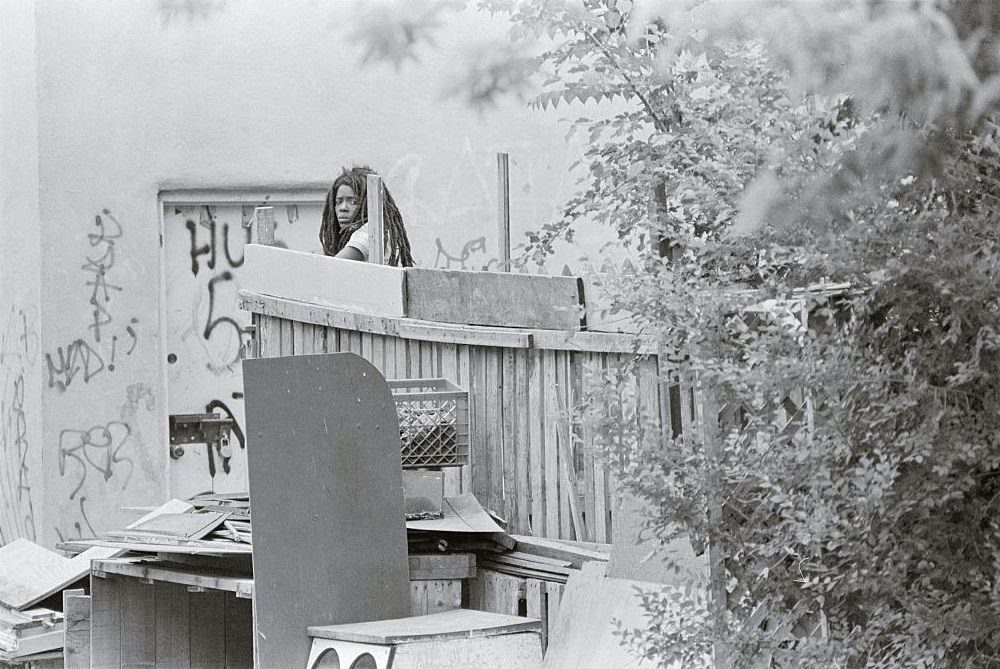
(344, 232)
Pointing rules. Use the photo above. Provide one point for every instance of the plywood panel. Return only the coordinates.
(329, 535)
(323, 280)
(495, 298)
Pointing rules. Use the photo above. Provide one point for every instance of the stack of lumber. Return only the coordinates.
(551, 560)
(27, 635)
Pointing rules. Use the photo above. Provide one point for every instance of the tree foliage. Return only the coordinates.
(810, 190)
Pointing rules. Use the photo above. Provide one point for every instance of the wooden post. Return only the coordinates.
(376, 202)
(503, 213)
(264, 222)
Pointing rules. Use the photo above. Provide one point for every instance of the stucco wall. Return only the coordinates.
(265, 94)
(21, 444)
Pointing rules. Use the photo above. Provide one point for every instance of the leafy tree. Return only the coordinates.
(810, 191)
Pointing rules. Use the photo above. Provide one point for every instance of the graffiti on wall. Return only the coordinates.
(92, 353)
(19, 341)
(207, 334)
(470, 256)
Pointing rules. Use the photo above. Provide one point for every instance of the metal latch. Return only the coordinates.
(200, 428)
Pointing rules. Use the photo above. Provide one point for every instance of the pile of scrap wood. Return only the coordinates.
(544, 559)
(32, 579)
(219, 524)
(30, 635)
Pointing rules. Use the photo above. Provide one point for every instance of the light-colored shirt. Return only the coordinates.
(359, 240)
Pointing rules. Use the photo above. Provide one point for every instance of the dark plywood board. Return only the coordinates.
(495, 299)
(326, 490)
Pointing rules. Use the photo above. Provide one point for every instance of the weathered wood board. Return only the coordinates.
(29, 573)
(583, 633)
(317, 279)
(495, 298)
(326, 491)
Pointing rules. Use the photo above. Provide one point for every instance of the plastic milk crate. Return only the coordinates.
(433, 422)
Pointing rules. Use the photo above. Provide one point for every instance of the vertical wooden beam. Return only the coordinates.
(105, 623)
(503, 212)
(376, 236)
(264, 222)
(76, 639)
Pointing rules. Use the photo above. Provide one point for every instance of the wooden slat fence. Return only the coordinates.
(535, 470)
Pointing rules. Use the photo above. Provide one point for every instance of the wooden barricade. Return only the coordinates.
(528, 464)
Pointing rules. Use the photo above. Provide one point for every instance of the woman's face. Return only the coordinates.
(346, 204)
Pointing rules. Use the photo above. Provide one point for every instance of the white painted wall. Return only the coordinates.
(22, 497)
(266, 94)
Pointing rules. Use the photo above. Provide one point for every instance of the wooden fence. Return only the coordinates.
(526, 463)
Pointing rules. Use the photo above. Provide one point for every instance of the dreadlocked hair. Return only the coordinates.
(335, 236)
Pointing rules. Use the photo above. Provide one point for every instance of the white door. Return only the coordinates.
(206, 334)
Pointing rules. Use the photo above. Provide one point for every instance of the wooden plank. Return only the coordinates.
(502, 592)
(377, 355)
(376, 229)
(520, 518)
(323, 280)
(444, 595)
(478, 445)
(454, 624)
(332, 340)
(494, 430)
(550, 462)
(509, 438)
(205, 578)
(596, 607)
(105, 623)
(412, 328)
(29, 573)
(534, 600)
(239, 633)
(76, 626)
(286, 341)
(536, 430)
(559, 550)
(138, 601)
(319, 339)
(463, 371)
(418, 598)
(328, 524)
(188, 525)
(568, 511)
(521, 650)
(585, 365)
(553, 600)
(208, 629)
(298, 338)
(495, 298)
(436, 567)
(173, 626)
